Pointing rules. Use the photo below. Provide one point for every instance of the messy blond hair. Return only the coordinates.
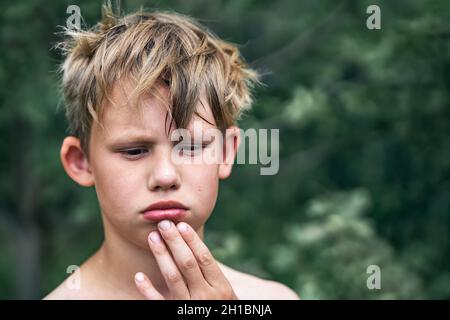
(148, 48)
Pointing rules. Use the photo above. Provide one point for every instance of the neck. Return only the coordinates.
(114, 265)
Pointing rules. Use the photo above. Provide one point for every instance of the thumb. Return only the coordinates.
(145, 286)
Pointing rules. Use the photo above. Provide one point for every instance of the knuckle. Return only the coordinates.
(229, 294)
(173, 277)
(225, 292)
(226, 296)
(189, 237)
(188, 264)
(206, 259)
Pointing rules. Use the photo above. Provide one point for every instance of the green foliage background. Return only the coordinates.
(364, 148)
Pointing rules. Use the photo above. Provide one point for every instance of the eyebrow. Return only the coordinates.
(136, 138)
(127, 138)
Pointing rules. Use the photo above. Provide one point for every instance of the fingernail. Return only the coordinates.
(139, 277)
(182, 227)
(155, 237)
(164, 225)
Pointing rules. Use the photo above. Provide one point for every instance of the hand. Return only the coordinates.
(192, 272)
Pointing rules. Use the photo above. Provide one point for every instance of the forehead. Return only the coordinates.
(148, 115)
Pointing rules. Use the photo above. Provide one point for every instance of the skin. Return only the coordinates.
(179, 265)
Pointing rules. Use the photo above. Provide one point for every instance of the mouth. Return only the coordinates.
(171, 210)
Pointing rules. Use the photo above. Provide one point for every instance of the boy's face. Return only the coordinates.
(131, 165)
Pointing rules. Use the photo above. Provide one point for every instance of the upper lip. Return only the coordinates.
(161, 205)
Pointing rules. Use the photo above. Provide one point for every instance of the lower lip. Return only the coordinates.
(171, 214)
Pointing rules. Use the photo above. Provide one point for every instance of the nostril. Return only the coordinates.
(169, 187)
(163, 180)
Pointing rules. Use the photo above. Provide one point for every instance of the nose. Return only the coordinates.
(164, 174)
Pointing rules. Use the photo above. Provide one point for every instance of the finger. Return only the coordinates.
(145, 287)
(208, 265)
(183, 256)
(174, 279)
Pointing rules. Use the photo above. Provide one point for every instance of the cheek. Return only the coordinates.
(116, 188)
(202, 182)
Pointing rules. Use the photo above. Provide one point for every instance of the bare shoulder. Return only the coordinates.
(63, 292)
(250, 287)
(68, 290)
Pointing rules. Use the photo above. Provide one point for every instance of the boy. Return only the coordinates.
(129, 84)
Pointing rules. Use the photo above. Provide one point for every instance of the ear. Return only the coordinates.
(231, 143)
(75, 162)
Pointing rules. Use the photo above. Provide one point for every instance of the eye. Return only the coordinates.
(134, 153)
(191, 149)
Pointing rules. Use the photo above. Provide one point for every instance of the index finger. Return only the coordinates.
(208, 265)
